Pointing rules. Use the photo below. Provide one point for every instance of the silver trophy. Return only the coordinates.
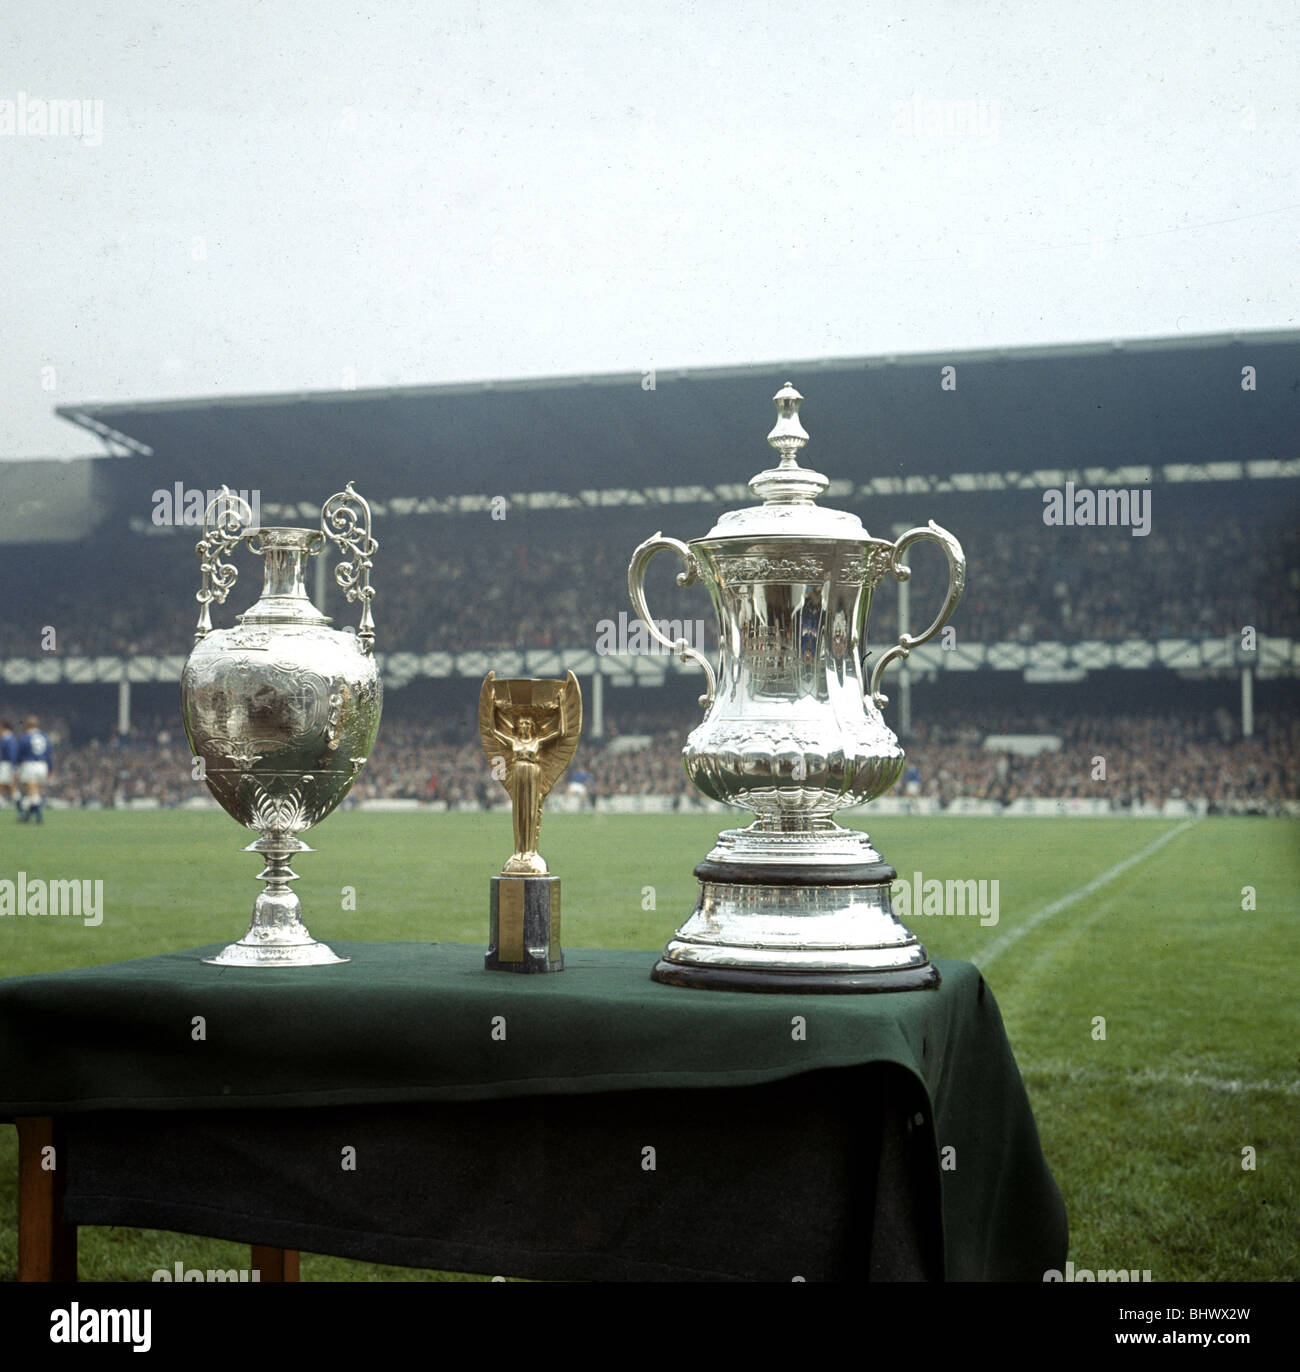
(282, 711)
(794, 733)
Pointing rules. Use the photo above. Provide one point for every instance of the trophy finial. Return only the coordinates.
(788, 483)
(789, 435)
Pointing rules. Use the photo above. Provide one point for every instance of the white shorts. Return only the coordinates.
(6, 773)
(33, 771)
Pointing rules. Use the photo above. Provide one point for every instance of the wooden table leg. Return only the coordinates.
(275, 1264)
(47, 1247)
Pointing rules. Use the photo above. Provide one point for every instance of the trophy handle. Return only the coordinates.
(956, 584)
(232, 526)
(636, 589)
(345, 520)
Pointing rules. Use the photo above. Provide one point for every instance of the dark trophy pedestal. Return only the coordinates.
(525, 930)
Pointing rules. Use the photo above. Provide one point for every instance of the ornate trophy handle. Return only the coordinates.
(233, 525)
(636, 589)
(345, 520)
(956, 584)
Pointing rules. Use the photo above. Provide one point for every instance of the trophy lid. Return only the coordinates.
(788, 491)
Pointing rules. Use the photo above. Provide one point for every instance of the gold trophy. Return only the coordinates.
(529, 731)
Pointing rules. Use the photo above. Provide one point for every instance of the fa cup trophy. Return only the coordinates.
(793, 732)
(281, 711)
(529, 731)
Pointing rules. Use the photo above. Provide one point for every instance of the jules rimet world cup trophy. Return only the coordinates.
(529, 730)
(793, 733)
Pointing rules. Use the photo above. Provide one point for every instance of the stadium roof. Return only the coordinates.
(1015, 409)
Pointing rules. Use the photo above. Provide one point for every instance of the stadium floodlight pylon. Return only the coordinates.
(793, 731)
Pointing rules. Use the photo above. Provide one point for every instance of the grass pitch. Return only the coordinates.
(1144, 1128)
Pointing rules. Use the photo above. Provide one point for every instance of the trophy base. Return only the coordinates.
(524, 934)
(243, 954)
(792, 982)
(796, 927)
(277, 937)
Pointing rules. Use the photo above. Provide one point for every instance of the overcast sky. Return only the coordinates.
(315, 194)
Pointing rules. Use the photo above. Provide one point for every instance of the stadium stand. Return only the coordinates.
(506, 515)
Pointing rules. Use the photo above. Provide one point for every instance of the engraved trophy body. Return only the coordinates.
(793, 732)
(281, 711)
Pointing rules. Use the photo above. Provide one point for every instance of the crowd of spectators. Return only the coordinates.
(548, 581)
(1129, 760)
(1144, 759)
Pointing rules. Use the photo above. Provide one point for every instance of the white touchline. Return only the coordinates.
(1013, 935)
(1071, 1072)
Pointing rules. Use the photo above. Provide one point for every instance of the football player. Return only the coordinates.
(8, 761)
(35, 757)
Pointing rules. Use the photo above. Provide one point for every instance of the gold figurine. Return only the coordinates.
(530, 732)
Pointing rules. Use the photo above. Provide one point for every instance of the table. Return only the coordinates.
(586, 1125)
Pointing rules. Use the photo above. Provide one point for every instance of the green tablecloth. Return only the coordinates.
(407, 1024)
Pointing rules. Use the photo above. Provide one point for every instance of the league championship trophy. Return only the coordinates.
(282, 711)
(793, 732)
(529, 731)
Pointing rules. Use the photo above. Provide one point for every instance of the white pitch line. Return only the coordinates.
(1231, 1086)
(1013, 936)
